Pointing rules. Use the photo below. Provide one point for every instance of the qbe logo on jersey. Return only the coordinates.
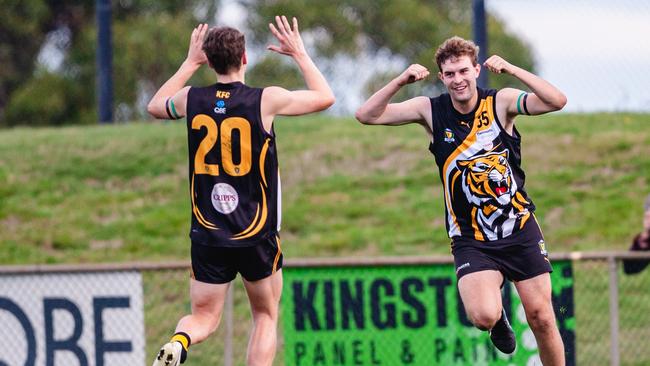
(220, 107)
(86, 319)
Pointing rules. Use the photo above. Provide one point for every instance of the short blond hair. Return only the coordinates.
(455, 47)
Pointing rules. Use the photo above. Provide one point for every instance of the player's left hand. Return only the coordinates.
(498, 65)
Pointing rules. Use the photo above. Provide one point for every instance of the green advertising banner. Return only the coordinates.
(403, 315)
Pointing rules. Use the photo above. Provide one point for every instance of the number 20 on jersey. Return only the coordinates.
(224, 136)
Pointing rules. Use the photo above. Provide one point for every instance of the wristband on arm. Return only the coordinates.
(171, 109)
(521, 103)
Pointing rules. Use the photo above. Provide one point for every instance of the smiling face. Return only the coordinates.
(459, 75)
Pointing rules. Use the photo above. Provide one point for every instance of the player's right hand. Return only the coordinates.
(413, 73)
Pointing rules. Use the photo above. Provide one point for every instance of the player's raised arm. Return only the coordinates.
(170, 101)
(377, 110)
(277, 100)
(543, 99)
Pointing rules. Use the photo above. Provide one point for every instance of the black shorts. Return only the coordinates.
(216, 265)
(517, 261)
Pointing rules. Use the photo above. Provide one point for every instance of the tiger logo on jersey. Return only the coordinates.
(488, 179)
(489, 185)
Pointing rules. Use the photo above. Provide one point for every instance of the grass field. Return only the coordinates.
(120, 192)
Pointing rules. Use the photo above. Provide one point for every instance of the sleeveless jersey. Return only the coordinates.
(233, 167)
(480, 169)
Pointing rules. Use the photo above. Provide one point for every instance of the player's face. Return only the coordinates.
(459, 76)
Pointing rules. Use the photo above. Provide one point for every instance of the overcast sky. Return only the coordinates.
(596, 51)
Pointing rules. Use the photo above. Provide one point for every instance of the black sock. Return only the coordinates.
(185, 341)
(502, 323)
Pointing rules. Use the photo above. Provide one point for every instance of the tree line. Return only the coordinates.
(47, 47)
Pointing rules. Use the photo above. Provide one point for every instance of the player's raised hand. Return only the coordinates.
(289, 37)
(498, 65)
(195, 53)
(413, 73)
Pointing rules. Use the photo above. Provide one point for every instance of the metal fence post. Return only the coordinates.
(479, 25)
(227, 347)
(104, 61)
(613, 310)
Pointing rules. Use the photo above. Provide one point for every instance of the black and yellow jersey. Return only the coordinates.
(480, 169)
(233, 167)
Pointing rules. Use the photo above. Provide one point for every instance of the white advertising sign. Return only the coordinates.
(85, 319)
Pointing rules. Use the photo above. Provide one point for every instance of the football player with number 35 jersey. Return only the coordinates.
(234, 180)
(489, 215)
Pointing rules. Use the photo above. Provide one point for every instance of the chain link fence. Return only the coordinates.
(634, 318)
(611, 325)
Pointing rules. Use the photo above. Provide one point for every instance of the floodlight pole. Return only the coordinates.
(480, 38)
(104, 61)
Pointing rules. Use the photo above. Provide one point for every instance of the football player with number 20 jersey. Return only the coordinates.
(234, 180)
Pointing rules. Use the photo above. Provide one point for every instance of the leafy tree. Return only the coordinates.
(272, 68)
(149, 39)
(410, 28)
